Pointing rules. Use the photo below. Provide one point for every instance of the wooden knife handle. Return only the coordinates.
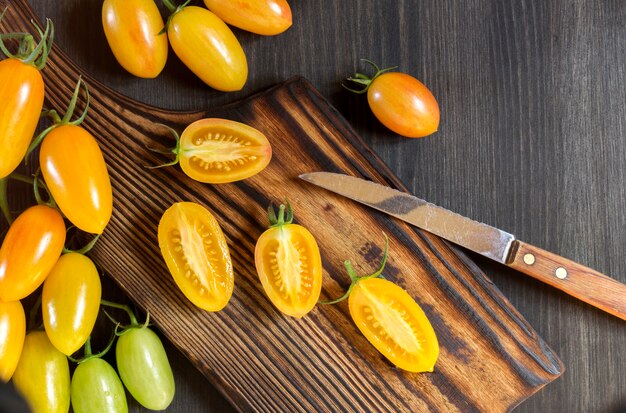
(576, 280)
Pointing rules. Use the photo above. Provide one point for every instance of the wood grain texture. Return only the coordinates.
(576, 280)
(532, 140)
(491, 359)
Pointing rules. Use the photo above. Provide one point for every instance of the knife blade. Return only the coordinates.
(574, 279)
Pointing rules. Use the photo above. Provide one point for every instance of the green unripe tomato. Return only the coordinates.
(96, 387)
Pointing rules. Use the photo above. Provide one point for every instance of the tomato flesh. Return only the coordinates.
(404, 105)
(196, 254)
(132, 30)
(289, 265)
(71, 301)
(30, 249)
(208, 47)
(12, 333)
(395, 324)
(21, 94)
(221, 151)
(76, 175)
(43, 375)
(265, 17)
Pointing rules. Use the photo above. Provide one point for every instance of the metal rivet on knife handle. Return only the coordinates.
(529, 259)
(561, 273)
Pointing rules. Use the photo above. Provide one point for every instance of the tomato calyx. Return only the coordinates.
(171, 6)
(88, 355)
(354, 277)
(67, 118)
(364, 80)
(172, 151)
(29, 52)
(285, 215)
(120, 329)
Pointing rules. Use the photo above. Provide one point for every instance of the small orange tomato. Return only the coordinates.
(70, 302)
(76, 175)
(219, 151)
(400, 102)
(196, 254)
(132, 29)
(30, 249)
(21, 94)
(394, 323)
(208, 47)
(289, 265)
(266, 17)
(12, 333)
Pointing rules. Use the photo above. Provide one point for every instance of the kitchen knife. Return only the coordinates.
(575, 279)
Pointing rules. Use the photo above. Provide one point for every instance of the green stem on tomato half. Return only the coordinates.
(173, 151)
(67, 118)
(355, 279)
(365, 81)
(29, 52)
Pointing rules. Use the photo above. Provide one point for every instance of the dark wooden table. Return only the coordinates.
(532, 140)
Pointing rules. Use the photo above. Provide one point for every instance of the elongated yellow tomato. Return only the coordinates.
(70, 302)
(12, 333)
(394, 323)
(289, 265)
(132, 29)
(43, 375)
(218, 151)
(21, 101)
(196, 254)
(208, 48)
(266, 17)
(76, 175)
(30, 249)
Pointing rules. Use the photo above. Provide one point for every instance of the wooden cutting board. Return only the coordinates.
(490, 360)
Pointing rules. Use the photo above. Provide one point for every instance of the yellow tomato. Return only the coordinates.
(76, 175)
(208, 48)
(394, 323)
(132, 29)
(43, 375)
(289, 265)
(70, 302)
(196, 254)
(266, 17)
(30, 249)
(21, 97)
(12, 332)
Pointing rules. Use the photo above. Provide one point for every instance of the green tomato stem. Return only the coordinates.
(131, 314)
(32, 316)
(282, 219)
(4, 201)
(364, 80)
(84, 250)
(88, 346)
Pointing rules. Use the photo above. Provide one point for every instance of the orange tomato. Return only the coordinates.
(30, 249)
(132, 30)
(196, 254)
(76, 175)
(394, 323)
(208, 48)
(12, 333)
(404, 105)
(219, 151)
(70, 302)
(289, 265)
(266, 17)
(22, 101)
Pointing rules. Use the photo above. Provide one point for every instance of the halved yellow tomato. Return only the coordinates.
(12, 333)
(208, 47)
(219, 151)
(76, 175)
(70, 302)
(196, 254)
(132, 30)
(289, 265)
(21, 94)
(30, 249)
(394, 323)
(266, 17)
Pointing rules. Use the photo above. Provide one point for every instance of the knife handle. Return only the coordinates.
(576, 280)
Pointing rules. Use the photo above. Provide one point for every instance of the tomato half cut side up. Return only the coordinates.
(289, 265)
(221, 151)
(196, 254)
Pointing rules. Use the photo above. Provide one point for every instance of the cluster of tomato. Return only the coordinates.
(200, 38)
(75, 177)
